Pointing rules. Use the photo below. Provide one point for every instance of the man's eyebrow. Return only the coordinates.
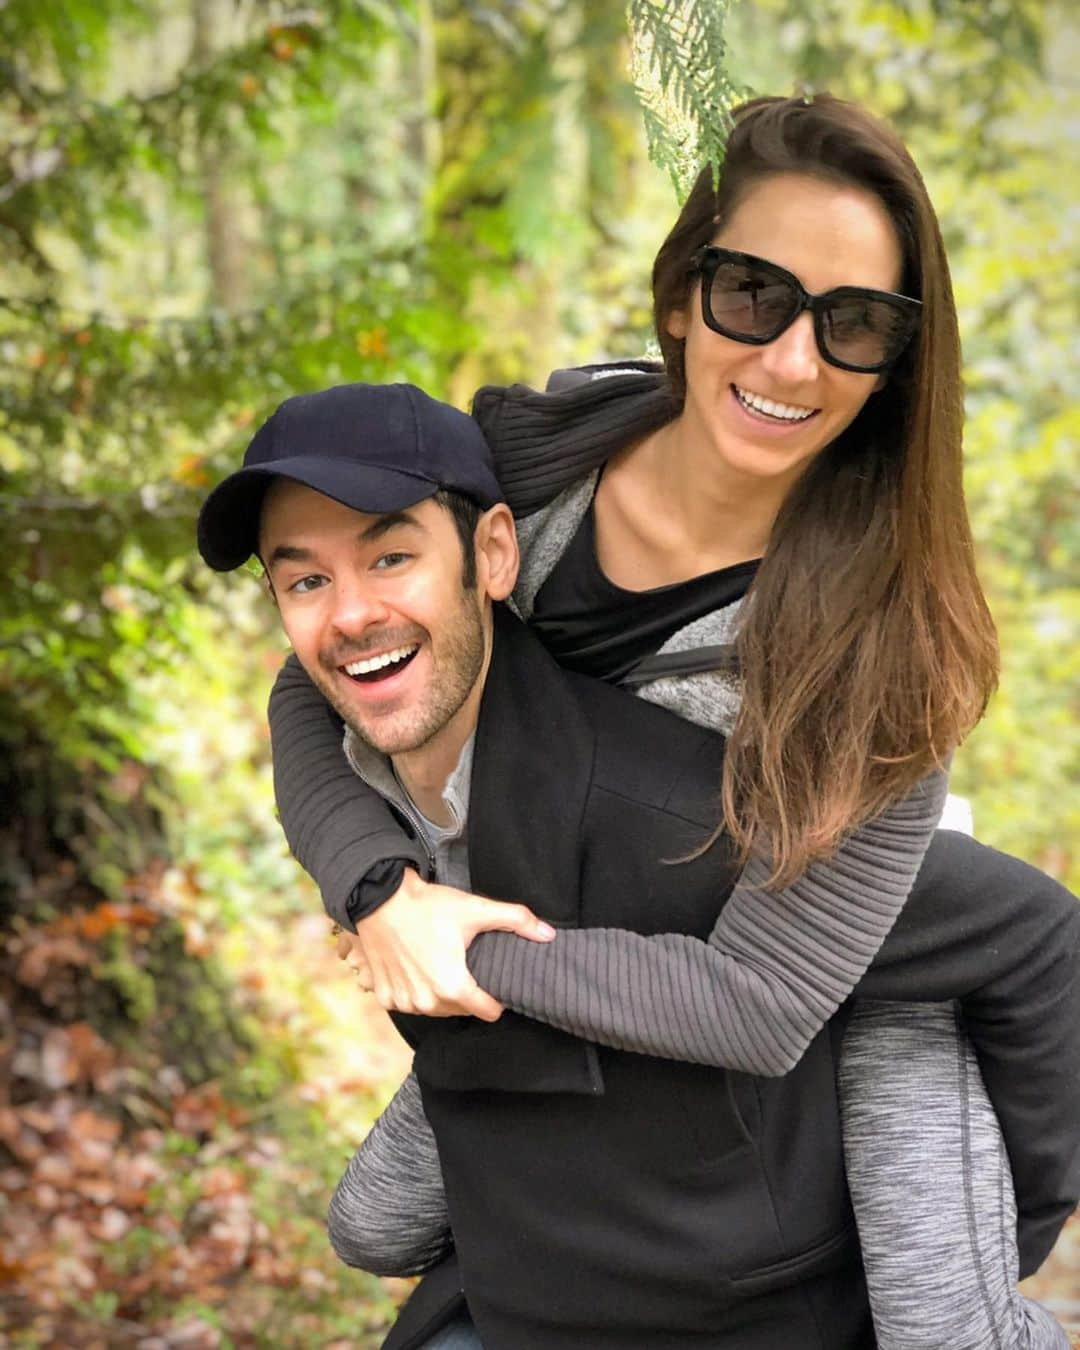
(288, 553)
(392, 521)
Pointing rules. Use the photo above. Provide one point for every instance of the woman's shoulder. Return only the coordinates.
(544, 536)
(573, 377)
(543, 441)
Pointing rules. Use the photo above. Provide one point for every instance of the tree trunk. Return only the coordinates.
(224, 239)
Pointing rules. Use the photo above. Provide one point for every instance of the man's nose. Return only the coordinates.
(793, 357)
(357, 606)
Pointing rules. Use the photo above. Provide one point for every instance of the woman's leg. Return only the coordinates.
(931, 1187)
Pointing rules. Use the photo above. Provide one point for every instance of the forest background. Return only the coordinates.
(207, 205)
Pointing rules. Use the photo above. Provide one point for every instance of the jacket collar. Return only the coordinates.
(532, 768)
(377, 771)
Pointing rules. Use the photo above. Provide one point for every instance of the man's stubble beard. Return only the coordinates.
(456, 669)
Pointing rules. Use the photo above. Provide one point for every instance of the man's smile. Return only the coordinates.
(374, 668)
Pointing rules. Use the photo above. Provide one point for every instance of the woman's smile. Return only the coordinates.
(772, 412)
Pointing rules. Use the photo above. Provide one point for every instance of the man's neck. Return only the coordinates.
(425, 771)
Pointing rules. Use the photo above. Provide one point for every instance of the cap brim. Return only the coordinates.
(228, 526)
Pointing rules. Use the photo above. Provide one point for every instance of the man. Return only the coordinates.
(597, 1198)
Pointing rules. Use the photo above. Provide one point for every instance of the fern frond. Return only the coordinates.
(679, 62)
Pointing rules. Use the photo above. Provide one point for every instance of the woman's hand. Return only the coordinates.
(411, 951)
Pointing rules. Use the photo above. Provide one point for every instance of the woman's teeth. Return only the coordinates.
(784, 412)
(375, 663)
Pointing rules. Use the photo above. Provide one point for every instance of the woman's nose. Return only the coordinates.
(793, 357)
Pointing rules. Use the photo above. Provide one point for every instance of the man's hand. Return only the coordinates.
(411, 951)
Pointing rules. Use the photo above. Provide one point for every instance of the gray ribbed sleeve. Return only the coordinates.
(388, 1214)
(774, 969)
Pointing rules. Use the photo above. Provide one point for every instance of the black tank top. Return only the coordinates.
(595, 627)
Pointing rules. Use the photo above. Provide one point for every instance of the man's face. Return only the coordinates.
(376, 612)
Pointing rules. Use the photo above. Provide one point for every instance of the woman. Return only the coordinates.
(805, 438)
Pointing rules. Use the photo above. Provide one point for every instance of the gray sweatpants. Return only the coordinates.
(961, 1271)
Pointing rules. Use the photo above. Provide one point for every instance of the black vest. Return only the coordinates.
(605, 1199)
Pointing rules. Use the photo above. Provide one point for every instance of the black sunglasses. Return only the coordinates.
(751, 300)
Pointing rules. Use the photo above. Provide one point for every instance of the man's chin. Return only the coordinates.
(388, 741)
(373, 735)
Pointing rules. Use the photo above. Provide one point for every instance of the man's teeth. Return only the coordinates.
(374, 663)
(789, 412)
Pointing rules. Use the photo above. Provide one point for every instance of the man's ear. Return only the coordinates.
(263, 577)
(497, 558)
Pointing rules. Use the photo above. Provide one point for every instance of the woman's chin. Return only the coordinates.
(757, 463)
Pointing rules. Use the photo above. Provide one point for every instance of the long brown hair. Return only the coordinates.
(867, 649)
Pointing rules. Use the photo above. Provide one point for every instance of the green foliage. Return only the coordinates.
(114, 415)
(683, 80)
(102, 1305)
(138, 1246)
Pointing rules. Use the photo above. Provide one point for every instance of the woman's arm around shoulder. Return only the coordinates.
(343, 833)
(775, 968)
(337, 827)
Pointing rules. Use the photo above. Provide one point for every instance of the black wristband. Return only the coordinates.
(375, 887)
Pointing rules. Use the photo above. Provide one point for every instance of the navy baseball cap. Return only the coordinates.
(373, 447)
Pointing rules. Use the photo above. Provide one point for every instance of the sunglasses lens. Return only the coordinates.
(751, 300)
(863, 331)
(746, 301)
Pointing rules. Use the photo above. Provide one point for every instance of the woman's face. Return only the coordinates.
(829, 235)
